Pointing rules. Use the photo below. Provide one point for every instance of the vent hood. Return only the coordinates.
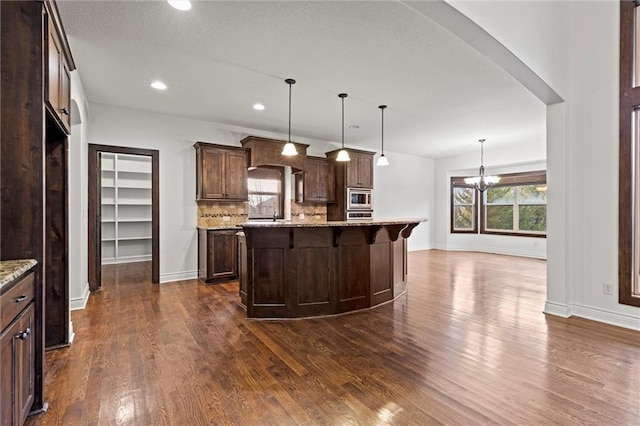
(268, 152)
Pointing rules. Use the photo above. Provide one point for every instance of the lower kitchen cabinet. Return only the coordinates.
(217, 255)
(17, 347)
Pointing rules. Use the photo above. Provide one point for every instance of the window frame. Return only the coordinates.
(266, 170)
(458, 182)
(538, 177)
(628, 191)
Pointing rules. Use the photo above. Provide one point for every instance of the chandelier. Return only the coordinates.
(482, 182)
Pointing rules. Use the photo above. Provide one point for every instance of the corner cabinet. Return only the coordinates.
(221, 172)
(17, 346)
(217, 255)
(316, 184)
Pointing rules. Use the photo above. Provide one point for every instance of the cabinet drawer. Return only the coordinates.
(16, 299)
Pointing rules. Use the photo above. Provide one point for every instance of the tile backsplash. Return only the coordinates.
(212, 213)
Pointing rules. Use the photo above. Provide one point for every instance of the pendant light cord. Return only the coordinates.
(290, 84)
(343, 123)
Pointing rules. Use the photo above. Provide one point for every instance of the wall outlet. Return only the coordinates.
(607, 288)
(226, 218)
(301, 215)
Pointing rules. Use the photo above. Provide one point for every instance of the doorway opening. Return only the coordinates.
(124, 210)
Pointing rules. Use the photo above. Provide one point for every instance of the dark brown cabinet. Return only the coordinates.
(58, 92)
(17, 346)
(217, 255)
(317, 183)
(360, 170)
(357, 173)
(221, 172)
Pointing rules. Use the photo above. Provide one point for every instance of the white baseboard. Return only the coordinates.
(76, 303)
(596, 314)
(71, 333)
(178, 276)
(494, 250)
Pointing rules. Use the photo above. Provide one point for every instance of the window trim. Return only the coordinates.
(458, 182)
(627, 192)
(280, 213)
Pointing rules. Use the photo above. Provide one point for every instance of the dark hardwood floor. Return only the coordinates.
(468, 344)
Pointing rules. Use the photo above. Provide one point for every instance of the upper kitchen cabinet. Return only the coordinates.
(358, 173)
(221, 172)
(59, 64)
(316, 185)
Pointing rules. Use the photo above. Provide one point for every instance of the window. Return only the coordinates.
(463, 207)
(515, 210)
(266, 188)
(516, 206)
(629, 163)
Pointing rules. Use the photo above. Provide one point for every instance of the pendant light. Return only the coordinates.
(343, 155)
(482, 182)
(289, 148)
(382, 161)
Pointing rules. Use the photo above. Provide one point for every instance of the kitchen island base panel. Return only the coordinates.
(295, 272)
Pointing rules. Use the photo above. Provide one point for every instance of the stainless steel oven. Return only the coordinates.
(359, 199)
(360, 215)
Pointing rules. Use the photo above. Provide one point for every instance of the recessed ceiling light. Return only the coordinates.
(180, 4)
(258, 107)
(158, 85)
(354, 126)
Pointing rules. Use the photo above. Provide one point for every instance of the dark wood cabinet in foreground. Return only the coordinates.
(217, 255)
(293, 271)
(17, 346)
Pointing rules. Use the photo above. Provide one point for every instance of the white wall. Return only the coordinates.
(403, 189)
(574, 47)
(77, 175)
(529, 156)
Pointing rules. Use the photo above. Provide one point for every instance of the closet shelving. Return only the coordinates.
(126, 208)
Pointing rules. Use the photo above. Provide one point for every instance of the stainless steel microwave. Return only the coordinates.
(359, 199)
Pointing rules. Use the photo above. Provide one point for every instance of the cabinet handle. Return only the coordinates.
(21, 298)
(65, 111)
(24, 334)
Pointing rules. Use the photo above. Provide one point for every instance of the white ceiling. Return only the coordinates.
(221, 57)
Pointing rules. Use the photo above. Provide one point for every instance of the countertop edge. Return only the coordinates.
(329, 224)
(13, 269)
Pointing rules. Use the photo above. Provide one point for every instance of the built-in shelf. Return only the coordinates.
(126, 208)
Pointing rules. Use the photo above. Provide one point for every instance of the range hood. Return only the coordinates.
(268, 152)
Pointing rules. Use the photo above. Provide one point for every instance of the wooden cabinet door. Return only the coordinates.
(6, 376)
(53, 80)
(211, 174)
(365, 171)
(65, 94)
(17, 345)
(352, 171)
(325, 182)
(235, 176)
(24, 347)
(311, 184)
(223, 262)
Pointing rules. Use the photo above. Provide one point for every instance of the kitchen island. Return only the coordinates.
(298, 269)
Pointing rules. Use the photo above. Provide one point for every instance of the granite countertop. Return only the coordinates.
(12, 269)
(287, 224)
(220, 227)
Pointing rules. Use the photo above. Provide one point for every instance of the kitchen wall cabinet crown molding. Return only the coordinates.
(221, 172)
(317, 183)
(268, 152)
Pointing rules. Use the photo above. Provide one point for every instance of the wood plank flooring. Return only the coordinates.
(468, 345)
